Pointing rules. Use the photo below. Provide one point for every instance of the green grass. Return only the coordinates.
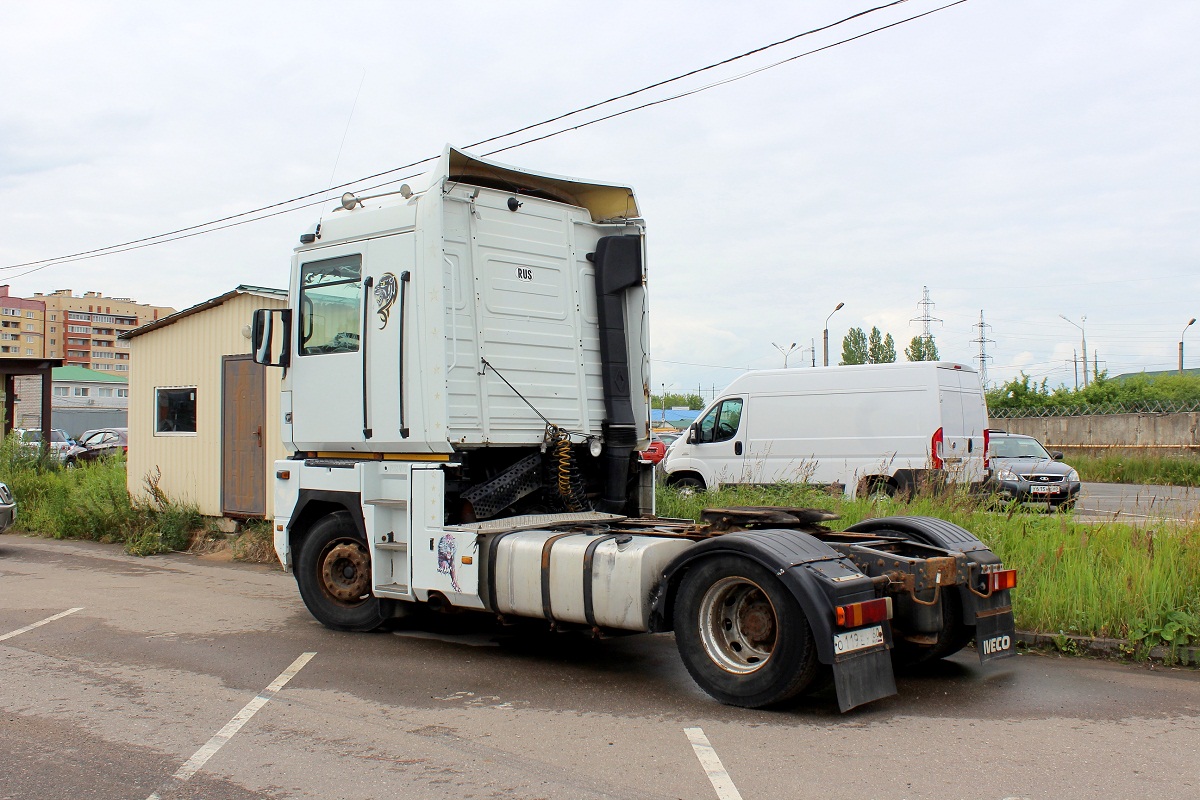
(1182, 470)
(91, 502)
(1105, 579)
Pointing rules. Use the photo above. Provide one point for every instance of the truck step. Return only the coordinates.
(392, 590)
(401, 546)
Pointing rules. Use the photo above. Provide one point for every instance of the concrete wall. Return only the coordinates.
(1142, 433)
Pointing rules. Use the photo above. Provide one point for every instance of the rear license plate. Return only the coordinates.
(856, 640)
(1043, 490)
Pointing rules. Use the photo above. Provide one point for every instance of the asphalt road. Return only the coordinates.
(1133, 502)
(178, 666)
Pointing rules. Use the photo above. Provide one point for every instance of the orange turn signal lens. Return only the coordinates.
(1004, 579)
(866, 613)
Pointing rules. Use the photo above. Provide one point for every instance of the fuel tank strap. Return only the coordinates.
(547, 611)
(589, 611)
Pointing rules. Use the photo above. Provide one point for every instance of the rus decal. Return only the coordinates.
(385, 296)
(446, 551)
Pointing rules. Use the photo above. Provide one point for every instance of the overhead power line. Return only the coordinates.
(277, 208)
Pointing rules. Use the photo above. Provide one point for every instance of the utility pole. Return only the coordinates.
(983, 341)
(1185, 327)
(1083, 336)
(813, 342)
(790, 349)
(1075, 364)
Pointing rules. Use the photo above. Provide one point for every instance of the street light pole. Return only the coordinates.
(831, 313)
(791, 349)
(1191, 322)
(1083, 334)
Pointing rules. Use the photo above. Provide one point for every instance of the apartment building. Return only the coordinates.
(84, 331)
(22, 326)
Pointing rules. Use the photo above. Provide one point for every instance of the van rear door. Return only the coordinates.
(963, 420)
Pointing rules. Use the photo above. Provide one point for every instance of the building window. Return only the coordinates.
(53, 341)
(61, 391)
(28, 315)
(28, 351)
(104, 392)
(175, 410)
(81, 391)
(121, 367)
(79, 329)
(122, 393)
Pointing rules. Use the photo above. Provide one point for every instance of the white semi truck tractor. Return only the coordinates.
(465, 390)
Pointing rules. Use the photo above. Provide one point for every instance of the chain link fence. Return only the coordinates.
(1147, 407)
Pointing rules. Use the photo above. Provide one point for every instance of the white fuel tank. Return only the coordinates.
(624, 568)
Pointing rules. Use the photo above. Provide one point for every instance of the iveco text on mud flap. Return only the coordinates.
(466, 387)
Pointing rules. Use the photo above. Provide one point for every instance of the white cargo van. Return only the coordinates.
(872, 428)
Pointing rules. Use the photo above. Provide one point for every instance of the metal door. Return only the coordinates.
(243, 457)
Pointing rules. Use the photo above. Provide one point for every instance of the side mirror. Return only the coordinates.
(270, 336)
(1056, 455)
(691, 435)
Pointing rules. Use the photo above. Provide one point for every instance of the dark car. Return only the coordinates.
(97, 444)
(1021, 469)
(8, 508)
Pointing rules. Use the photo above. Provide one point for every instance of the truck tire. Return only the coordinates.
(742, 635)
(333, 572)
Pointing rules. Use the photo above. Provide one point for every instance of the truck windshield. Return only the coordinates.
(330, 298)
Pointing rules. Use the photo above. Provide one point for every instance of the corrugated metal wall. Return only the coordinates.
(188, 353)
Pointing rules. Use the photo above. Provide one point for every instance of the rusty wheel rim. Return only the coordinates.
(344, 572)
(738, 625)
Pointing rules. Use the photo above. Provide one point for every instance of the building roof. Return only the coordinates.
(258, 291)
(78, 374)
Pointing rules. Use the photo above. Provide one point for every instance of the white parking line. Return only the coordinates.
(201, 756)
(19, 631)
(713, 767)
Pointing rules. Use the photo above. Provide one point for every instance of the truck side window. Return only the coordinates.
(330, 299)
(721, 423)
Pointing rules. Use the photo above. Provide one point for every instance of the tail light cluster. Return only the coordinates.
(868, 612)
(935, 449)
(987, 447)
(1001, 579)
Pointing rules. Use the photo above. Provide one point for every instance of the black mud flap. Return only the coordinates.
(863, 677)
(995, 634)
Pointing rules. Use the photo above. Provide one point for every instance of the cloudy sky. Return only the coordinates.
(1021, 159)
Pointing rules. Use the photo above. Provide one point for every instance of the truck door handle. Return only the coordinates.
(258, 435)
(737, 448)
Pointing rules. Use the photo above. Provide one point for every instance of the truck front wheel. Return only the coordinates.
(333, 572)
(742, 635)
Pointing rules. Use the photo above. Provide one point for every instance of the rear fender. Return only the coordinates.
(820, 579)
(991, 615)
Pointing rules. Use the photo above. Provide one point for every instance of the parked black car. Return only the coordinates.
(97, 444)
(1021, 469)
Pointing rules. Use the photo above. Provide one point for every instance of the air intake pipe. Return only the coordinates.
(618, 261)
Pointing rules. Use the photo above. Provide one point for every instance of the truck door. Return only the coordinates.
(721, 440)
(327, 376)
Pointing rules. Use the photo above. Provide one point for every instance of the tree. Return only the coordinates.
(854, 347)
(858, 348)
(921, 349)
(880, 349)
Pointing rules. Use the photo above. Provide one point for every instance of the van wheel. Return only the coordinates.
(688, 485)
(880, 491)
(333, 572)
(742, 636)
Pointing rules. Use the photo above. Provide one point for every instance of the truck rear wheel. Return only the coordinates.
(333, 572)
(742, 635)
